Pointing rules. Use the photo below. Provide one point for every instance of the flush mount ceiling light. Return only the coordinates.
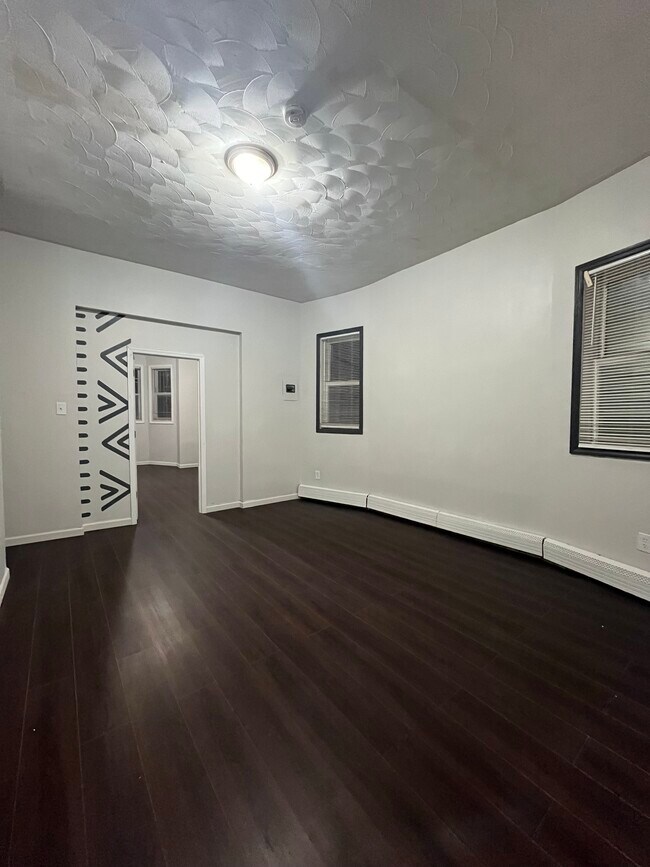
(251, 163)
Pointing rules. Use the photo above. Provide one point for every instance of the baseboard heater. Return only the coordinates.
(329, 495)
(620, 575)
(627, 578)
(520, 540)
(398, 509)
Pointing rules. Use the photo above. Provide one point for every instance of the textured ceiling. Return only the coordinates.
(431, 122)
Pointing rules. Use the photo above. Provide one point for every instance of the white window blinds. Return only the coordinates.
(161, 394)
(614, 404)
(340, 382)
(137, 376)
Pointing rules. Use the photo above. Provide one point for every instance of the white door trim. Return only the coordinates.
(133, 463)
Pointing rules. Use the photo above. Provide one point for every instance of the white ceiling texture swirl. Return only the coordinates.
(430, 122)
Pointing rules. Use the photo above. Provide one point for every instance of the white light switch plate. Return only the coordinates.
(61, 407)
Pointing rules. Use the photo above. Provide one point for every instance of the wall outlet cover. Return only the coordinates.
(643, 542)
(317, 474)
(61, 407)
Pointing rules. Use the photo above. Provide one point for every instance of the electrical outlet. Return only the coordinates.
(317, 476)
(643, 542)
(61, 407)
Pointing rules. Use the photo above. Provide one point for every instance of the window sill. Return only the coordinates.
(610, 453)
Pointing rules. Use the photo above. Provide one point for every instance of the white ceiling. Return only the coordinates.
(432, 122)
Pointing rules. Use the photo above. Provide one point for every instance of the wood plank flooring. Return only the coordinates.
(303, 684)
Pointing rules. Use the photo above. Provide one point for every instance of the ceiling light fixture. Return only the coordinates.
(251, 163)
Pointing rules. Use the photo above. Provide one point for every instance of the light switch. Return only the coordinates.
(61, 407)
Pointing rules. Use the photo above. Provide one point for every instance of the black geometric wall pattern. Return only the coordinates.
(116, 356)
(112, 319)
(110, 400)
(113, 493)
(82, 406)
(101, 346)
(118, 442)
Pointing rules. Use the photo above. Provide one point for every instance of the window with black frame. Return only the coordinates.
(339, 381)
(610, 412)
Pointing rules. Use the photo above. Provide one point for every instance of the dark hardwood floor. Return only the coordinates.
(303, 684)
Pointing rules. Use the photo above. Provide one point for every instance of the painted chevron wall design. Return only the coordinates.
(110, 400)
(113, 492)
(101, 342)
(118, 442)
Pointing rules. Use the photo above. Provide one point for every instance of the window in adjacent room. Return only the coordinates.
(610, 412)
(161, 395)
(137, 384)
(339, 381)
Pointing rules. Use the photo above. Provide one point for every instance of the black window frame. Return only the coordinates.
(330, 430)
(574, 447)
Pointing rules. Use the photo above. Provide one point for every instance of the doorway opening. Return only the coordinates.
(166, 415)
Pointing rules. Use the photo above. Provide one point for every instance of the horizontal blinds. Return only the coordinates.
(615, 370)
(162, 388)
(340, 387)
(163, 379)
(137, 383)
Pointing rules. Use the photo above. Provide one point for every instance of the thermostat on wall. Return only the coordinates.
(289, 389)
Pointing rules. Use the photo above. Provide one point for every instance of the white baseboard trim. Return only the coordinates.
(330, 495)
(107, 525)
(267, 501)
(521, 540)
(221, 507)
(421, 514)
(3, 584)
(627, 578)
(186, 466)
(44, 537)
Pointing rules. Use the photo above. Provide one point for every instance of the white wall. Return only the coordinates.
(188, 411)
(468, 381)
(40, 286)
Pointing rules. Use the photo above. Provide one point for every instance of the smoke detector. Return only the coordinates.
(295, 116)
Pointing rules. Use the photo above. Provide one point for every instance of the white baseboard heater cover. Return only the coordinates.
(627, 578)
(521, 540)
(420, 514)
(330, 495)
